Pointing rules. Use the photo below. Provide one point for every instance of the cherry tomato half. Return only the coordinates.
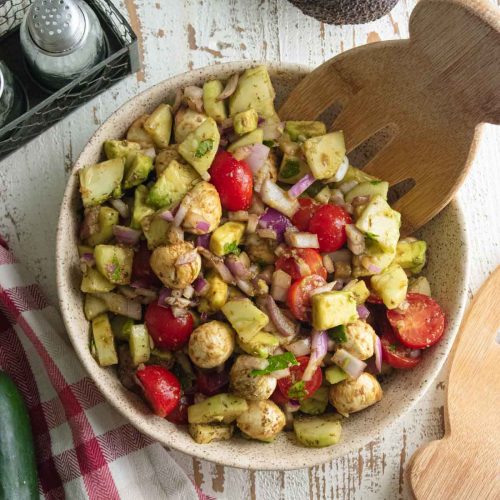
(233, 180)
(397, 355)
(141, 268)
(179, 415)
(419, 326)
(299, 295)
(167, 331)
(329, 222)
(303, 215)
(212, 383)
(160, 387)
(296, 372)
(300, 262)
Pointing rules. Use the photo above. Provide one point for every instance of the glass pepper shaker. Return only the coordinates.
(12, 98)
(60, 40)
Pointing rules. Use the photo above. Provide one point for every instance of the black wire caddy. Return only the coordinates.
(43, 108)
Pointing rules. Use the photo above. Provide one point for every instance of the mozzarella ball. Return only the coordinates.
(247, 386)
(360, 340)
(163, 262)
(263, 420)
(211, 344)
(203, 206)
(350, 396)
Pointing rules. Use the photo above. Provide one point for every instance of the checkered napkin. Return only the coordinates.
(84, 448)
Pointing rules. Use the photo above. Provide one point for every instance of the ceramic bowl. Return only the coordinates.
(446, 271)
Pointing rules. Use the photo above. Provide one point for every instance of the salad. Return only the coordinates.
(241, 275)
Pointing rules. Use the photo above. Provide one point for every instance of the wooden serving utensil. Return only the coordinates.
(432, 91)
(465, 464)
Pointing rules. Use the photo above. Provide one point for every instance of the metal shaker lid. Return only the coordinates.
(56, 26)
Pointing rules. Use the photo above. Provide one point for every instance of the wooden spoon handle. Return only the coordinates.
(461, 41)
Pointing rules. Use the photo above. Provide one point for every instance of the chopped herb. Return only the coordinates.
(269, 144)
(338, 334)
(116, 274)
(290, 169)
(232, 248)
(374, 183)
(393, 347)
(204, 147)
(371, 236)
(298, 390)
(278, 362)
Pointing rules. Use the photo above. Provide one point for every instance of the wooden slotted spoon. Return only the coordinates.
(465, 464)
(432, 90)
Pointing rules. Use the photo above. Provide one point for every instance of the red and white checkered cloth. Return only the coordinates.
(84, 448)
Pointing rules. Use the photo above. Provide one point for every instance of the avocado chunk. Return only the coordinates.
(246, 121)
(217, 293)
(214, 108)
(93, 307)
(114, 263)
(140, 349)
(220, 408)
(100, 181)
(159, 125)
(370, 188)
(155, 230)
(374, 258)
(104, 342)
(245, 318)
(136, 133)
(262, 344)
(391, 286)
(187, 121)
(94, 282)
(359, 289)
(331, 309)
(379, 222)
(334, 374)
(420, 285)
(355, 174)
(172, 185)
(411, 255)
(199, 147)
(317, 432)
(325, 154)
(141, 209)
(300, 131)
(254, 137)
(226, 238)
(122, 327)
(317, 403)
(254, 91)
(292, 169)
(106, 219)
(209, 433)
(137, 169)
(120, 149)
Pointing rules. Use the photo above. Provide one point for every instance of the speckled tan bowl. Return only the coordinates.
(446, 270)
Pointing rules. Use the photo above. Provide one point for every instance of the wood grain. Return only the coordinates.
(433, 90)
(32, 182)
(466, 462)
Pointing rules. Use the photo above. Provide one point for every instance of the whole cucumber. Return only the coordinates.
(18, 475)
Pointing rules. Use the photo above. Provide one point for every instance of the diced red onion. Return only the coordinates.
(217, 264)
(245, 287)
(345, 187)
(343, 255)
(302, 240)
(360, 200)
(280, 249)
(180, 302)
(269, 234)
(328, 263)
(202, 226)
(272, 219)
(277, 374)
(188, 292)
(355, 239)
(193, 97)
(349, 363)
(166, 215)
(336, 197)
(257, 206)
(177, 101)
(363, 311)
(203, 240)
(299, 187)
(236, 266)
(340, 173)
(253, 220)
(186, 258)
(201, 286)
(118, 304)
(319, 346)
(121, 207)
(292, 405)
(378, 353)
(88, 259)
(272, 129)
(151, 152)
(280, 284)
(205, 176)
(176, 234)
(180, 214)
(164, 294)
(230, 87)
(276, 198)
(300, 347)
(284, 324)
(414, 353)
(126, 235)
(257, 156)
(373, 268)
(339, 284)
(324, 288)
(240, 215)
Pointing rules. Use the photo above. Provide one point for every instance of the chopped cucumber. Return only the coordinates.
(317, 403)
(104, 341)
(334, 374)
(317, 432)
(114, 263)
(370, 188)
(208, 433)
(159, 125)
(140, 350)
(219, 408)
(93, 307)
(100, 181)
(94, 282)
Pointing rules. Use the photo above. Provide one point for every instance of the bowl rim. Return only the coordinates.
(207, 452)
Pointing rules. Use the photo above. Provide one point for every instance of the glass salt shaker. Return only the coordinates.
(12, 98)
(60, 40)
